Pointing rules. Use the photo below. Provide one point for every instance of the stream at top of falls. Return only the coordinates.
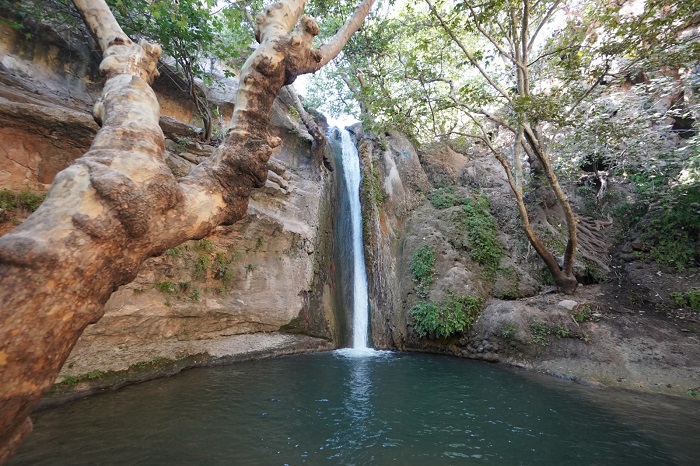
(392, 408)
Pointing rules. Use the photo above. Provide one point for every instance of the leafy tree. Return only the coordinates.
(546, 86)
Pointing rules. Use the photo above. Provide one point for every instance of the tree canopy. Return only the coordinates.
(609, 85)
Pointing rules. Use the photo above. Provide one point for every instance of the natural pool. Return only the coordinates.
(390, 408)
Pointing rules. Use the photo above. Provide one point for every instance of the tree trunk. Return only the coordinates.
(120, 204)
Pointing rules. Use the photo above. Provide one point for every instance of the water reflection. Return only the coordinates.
(359, 403)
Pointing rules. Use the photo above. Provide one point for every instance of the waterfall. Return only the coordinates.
(351, 173)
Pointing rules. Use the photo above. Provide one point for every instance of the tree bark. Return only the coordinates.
(120, 204)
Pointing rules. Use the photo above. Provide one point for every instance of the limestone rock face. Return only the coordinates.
(393, 185)
(407, 220)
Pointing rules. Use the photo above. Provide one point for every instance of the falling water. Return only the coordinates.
(351, 172)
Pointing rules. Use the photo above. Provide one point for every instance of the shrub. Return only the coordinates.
(174, 252)
(205, 245)
(201, 266)
(690, 299)
(674, 227)
(22, 200)
(167, 287)
(422, 264)
(423, 269)
(508, 331)
(445, 196)
(582, 313)
(540, 331)
(453, 315)
(486, 248)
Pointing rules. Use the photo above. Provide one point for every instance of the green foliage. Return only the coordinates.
(92, 375)
(486, 248)
(175, 252)
(251, 267)
(201, 266)
(540, 332)
(508, 331)
(453, 315)
(234, 254)
(167, 287)
(193, 33)
(27, 201)
(371, 187)
(687, 299)
(423, 269)
(222, 268)
(446, 196)
(675, 229)
(294, 113)
(205, 245)
(582, 313)
(259, 244)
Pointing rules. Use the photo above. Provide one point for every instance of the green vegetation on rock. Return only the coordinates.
(688, 299)
(446, 196)
(26, 200)
(18, 203)
(454, 314)
(423, 269)
(74, 379)
(486, 248)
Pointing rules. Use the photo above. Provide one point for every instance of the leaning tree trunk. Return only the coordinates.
(120, 204)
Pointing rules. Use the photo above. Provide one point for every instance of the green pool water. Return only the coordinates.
(386, 408)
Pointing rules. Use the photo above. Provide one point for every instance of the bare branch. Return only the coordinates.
(541, 24)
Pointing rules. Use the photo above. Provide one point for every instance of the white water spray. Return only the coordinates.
(351, 171)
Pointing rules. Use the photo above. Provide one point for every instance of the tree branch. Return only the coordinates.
(469, 56)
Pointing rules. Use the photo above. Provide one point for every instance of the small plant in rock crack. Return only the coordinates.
(687, 299)
(540, 333)
(508, 331)
(201, 266)
(582, 313)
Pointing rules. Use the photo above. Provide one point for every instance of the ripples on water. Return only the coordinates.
(378, 408)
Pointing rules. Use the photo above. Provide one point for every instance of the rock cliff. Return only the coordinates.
(620, 333)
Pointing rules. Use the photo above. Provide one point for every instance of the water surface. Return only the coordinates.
(389, 408)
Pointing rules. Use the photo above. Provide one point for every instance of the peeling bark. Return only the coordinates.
(120, 204)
